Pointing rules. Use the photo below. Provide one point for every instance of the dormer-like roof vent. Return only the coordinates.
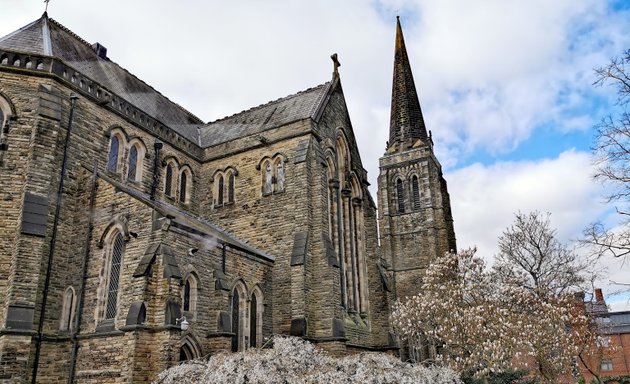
(100, 50)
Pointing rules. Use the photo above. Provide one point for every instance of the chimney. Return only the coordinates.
(100, 50)
(599, 296)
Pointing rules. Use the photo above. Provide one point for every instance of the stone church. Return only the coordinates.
(135, 235)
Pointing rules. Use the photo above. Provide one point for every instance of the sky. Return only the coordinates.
(506, 87)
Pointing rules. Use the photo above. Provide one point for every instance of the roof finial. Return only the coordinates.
(336, 65)
(46, 9)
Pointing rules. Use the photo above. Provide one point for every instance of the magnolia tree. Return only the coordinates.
(481, 323)
(293, 360)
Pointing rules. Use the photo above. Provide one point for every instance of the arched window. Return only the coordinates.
(132, 173)
(28, 64)
(113, 280)
(189, 296)
(235, 321)
(255, 318)
(183, 185)
(168, 180)
(252, 321)
(114, 149)
(267, 178)
(230, 194)
(220, 190)
(400, 196)
(4, 60)
(67, 310)
(279, 165)
(415, 190)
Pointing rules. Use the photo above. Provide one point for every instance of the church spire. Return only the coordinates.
(406, 122)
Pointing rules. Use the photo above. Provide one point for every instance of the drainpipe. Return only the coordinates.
(79, 309)
(156, 167)
(53, 241)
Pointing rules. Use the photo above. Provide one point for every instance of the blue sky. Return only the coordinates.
(505, 86)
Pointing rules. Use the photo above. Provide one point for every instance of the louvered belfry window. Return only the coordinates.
(415, 189)
(400, 196)
(114, 277)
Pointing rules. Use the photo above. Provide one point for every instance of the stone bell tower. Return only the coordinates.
(415, 221)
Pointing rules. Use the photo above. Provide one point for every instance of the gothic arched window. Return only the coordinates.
(168, 180)
(184, 186)
(189, 295)
(132, 172)
(113, 279)
(114, 149)
(230, 194)
(279, 165)
(415, 190)
(235, 321)
(255, 318)
(267, 178)
(220, 190)
(400, 196)
(67, 309)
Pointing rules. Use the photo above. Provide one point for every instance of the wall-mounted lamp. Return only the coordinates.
(183, 324)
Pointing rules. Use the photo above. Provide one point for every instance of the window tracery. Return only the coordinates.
(110, 276)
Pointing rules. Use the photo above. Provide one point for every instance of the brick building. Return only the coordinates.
(614, 366)
(134, 235)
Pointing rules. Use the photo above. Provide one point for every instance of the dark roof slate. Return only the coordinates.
(47, 37)
(299, 106)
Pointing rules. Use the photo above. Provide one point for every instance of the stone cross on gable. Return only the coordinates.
(336, 64)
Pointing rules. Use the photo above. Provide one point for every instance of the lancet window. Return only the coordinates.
(346, 227)
(224, 186)
(272, 174)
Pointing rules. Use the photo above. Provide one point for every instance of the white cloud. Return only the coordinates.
(485, 198)
(489, 73)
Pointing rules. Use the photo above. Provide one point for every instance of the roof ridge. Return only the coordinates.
(290, 96)
(67, 30)
(80, 39)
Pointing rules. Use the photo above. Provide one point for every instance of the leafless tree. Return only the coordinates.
(612, 160)
(530, 251)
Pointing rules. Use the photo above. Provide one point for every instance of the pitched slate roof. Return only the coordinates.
(299, 106)
(47, 37)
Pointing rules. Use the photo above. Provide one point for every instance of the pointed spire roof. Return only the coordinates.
(406, 120)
